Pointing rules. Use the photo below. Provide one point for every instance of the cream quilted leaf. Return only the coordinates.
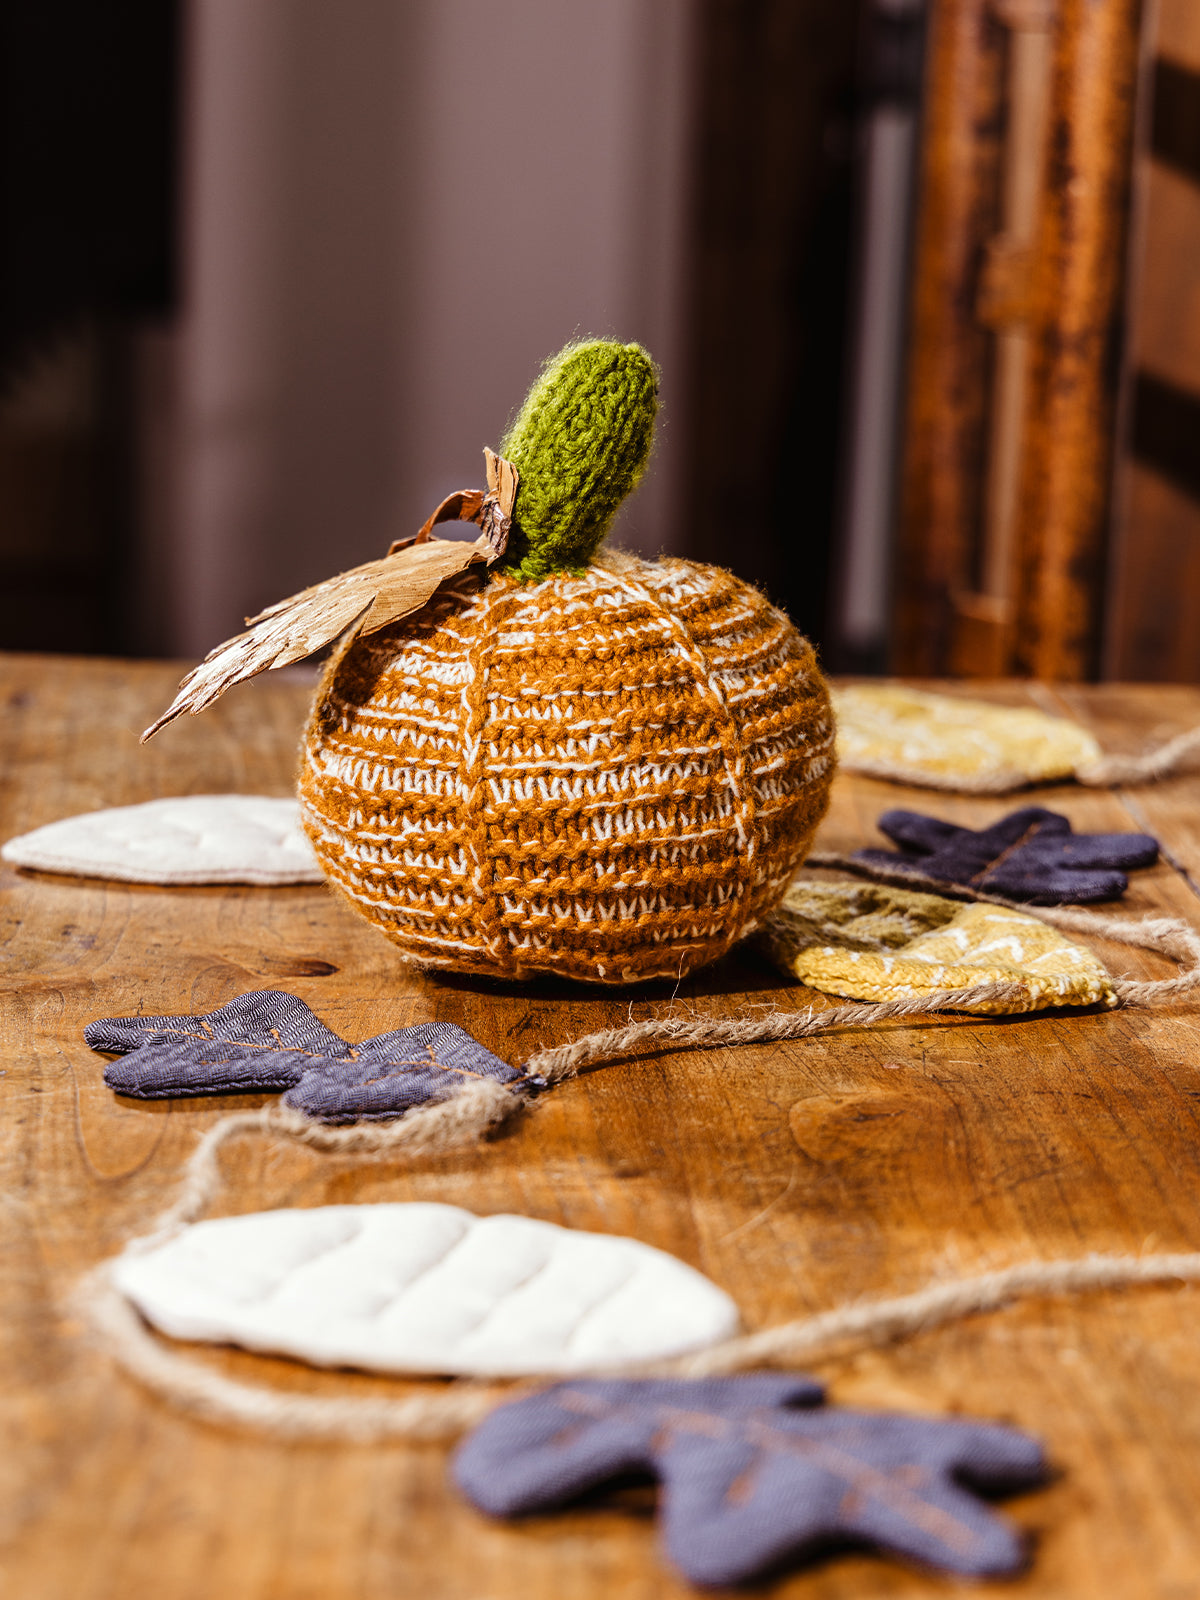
(424, 1288)
(198, 838)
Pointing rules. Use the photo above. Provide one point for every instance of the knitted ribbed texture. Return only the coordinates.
(580, 443)
(610, 776)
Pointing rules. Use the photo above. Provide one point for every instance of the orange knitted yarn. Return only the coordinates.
(610, 777)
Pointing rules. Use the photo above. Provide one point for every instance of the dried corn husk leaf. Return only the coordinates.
(363, 600)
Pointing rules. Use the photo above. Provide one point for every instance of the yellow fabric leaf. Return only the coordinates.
(870, 942)
(939, 742)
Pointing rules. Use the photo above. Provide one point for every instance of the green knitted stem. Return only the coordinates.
(580, 443)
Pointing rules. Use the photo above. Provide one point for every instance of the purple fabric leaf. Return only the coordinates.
(262, 1042)
(755, 1471)
(187, 1067)
(396, 1071)
(268, 1017)
(268, 1042)
(1031, 854)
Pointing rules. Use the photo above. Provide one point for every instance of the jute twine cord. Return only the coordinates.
(201, 1392)
(441, 1414)
(687, 1033)
(1113, 771)
(461, 1120)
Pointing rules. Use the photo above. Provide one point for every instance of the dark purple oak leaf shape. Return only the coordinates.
(1032, 854)
(268, 1041)
(397, 1071)
(188, 1067)
(755, 1471)
(268, 1017)
(263, 1041)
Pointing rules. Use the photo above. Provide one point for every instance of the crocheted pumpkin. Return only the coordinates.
(596, 766)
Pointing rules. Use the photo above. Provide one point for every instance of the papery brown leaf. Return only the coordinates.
(364, 599)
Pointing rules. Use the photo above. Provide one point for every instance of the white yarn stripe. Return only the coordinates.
(590, 762)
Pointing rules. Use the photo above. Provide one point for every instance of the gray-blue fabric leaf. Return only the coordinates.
(262, 1042)
(395, 1072)
(187, 1067)
(1032, 854)
(268, 1041)
(267, 1017)
(756, 1472)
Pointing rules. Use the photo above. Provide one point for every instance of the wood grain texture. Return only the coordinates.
(1179, 31)
(1078, 331)
(1008, 464)
(958, 207)
(1153, 626)
(797, 1176)
(1154, 621)
(1166, 324)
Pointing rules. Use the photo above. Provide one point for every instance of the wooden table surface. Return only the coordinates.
(797, 1176)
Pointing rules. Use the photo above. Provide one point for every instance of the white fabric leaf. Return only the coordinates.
(424, 1288)
(200, 838)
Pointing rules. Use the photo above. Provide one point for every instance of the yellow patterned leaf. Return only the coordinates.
(939, 742)
(868, 942)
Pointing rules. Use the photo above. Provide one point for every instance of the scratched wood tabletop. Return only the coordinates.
(797, 1176)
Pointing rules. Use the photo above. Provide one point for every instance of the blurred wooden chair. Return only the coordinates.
(1017, 365)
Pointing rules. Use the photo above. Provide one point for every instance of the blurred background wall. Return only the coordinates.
(89, 214)
(382, 216)
(393, 213)
(273, 271)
